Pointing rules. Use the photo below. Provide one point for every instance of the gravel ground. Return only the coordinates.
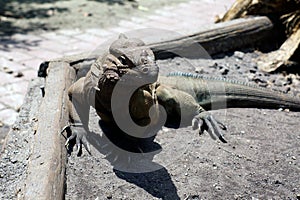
(260, 160)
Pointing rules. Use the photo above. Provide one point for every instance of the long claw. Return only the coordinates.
(221, 125)
(205, 121)
(216, 128)
(210, 129)
(79, 136)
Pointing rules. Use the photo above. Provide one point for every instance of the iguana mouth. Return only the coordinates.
(141, 75)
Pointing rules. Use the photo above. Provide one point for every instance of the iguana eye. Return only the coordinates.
(145, 70)
(123, 60)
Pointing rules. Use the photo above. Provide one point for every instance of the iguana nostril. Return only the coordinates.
(144, 60)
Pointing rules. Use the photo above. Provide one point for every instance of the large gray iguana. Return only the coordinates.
(181, 98)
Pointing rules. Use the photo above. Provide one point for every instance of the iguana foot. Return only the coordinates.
(205, 121)
(77, 132)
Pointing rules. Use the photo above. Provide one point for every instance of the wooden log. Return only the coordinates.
(219, 38)
(281, 57)
(46, 170)
(237, 10)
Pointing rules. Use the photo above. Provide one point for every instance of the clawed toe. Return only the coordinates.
(79, 134)
(205, 121)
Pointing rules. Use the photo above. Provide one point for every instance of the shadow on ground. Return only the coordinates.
(11, 12)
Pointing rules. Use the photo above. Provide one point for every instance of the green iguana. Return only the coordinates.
(177, 99)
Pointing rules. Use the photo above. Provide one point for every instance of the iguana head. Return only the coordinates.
(137, 60)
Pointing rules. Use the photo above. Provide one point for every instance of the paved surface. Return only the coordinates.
(20, 55)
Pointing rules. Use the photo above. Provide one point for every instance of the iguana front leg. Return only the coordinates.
(182, 109)
(83, 94)
(79, 116)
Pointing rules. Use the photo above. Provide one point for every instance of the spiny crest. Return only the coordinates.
(199, 76)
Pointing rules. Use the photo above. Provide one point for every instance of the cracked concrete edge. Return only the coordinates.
(17, 146)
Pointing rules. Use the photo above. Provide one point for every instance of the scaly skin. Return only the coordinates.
(184, 97)
(95, 89)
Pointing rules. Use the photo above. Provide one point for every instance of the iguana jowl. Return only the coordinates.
(184, 97)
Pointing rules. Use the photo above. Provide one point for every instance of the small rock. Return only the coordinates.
(87, 14)
(298, 196)
(239, 54)
(109, 196)
(178, 62)
(7, 70)
(224, 71)
(51, 12)
(280, 83)
(200, 70)
(193, 197)
(293, 157)
(214, 65)
(142, 8)
(277, 182)
(19, 74)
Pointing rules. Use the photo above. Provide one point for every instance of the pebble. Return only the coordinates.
(200, 70)
(293, 157)
(19, 74)
(87, 14)
(109, 196)
(193, 197)
(239, 54)
(7, 70)
(224, 71)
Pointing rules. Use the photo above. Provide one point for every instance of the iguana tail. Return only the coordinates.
(217, 93)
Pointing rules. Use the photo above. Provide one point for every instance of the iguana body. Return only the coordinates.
(184, 97)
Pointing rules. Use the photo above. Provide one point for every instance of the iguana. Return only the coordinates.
(181, 98)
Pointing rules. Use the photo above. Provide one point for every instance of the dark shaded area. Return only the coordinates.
(158, 183)
(10, 13)
(111, 2)
(7, 42)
